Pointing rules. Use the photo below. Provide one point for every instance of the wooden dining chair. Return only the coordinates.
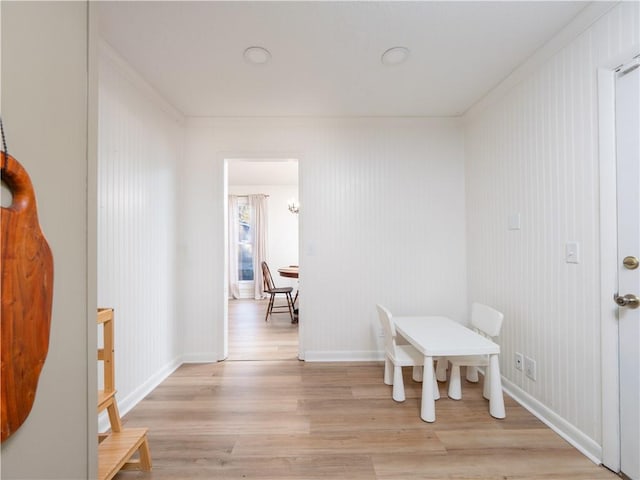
(270, 288)
(487, 322)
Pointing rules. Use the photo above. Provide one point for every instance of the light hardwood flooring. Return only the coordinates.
(286, 419)
(251, 338)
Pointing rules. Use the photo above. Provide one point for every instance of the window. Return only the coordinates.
(245, 241)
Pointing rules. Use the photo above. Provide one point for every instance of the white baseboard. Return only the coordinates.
(343, 356)
(586, 445)
(126, 404)
(205, 357)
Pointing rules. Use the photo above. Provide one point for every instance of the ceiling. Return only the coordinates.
(326, 56)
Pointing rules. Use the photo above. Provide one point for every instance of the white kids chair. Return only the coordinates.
(397, 356)
(487, 322)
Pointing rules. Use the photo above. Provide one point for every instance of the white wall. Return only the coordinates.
(534, 151)
(140, 148)
(382, 221)
(44, 110)
(282, 227)
(373, 192)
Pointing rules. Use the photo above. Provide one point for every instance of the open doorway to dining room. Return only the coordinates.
(262, 225)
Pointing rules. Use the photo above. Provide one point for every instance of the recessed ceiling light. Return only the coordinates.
(395, 56)
(257, 55)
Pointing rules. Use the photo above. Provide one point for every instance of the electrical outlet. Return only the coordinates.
(530, 368)
(518, 361)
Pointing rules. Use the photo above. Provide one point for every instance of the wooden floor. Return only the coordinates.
(286, 419)
(251, 338)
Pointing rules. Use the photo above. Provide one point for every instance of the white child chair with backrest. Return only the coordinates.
(487, 322)
(397, 356)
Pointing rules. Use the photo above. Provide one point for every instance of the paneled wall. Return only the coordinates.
(391, 211)
(140, 148)
(534, 152)
(382, 220)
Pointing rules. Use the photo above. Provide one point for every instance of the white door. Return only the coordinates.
(628, 200)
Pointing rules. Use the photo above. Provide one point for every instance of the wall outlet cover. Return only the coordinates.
(530, 368)
(519, 361)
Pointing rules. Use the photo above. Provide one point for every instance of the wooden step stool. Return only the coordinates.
(116, 448)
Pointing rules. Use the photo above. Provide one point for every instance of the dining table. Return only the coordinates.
(292, 271)
(440, 336)
(289, 272)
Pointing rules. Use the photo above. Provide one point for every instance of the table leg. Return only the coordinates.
(428, 406)
(496, 400)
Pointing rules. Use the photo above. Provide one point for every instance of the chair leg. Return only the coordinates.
(388, 371)
(398, 384)
(472, 374)
(436, 388)
(441, 369)
(455, 390)
(486, 388)
(269, 307)
(416, 375)
(290, 305)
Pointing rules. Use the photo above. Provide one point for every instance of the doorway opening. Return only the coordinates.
(260, 227)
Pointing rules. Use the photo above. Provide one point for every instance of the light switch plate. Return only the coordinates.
(513, 221)
(572, 252)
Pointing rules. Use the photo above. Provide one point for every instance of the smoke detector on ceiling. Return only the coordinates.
(395, 56)
(257, 55)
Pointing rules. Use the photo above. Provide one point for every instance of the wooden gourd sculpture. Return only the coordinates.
(27, 294)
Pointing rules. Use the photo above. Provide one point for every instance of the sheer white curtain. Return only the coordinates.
(234, 289)
(258, 205)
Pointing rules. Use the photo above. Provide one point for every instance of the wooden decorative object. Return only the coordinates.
(27, 294)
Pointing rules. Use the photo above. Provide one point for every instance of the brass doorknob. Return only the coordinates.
(629, 300)
(630, 262)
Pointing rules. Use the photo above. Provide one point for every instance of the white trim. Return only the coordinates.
(609, 370)
(221, 324)
(202, 357)
(610, 386)
(224, 157)
(93, 81)
(126, 404)
(344, 356)
(586, 445)
(107, 52)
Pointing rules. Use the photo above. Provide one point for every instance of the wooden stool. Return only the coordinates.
(116, 448)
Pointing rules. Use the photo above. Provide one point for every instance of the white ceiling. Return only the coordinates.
(325, 56)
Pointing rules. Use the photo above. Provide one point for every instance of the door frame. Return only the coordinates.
(225, 157)
(609, 372)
